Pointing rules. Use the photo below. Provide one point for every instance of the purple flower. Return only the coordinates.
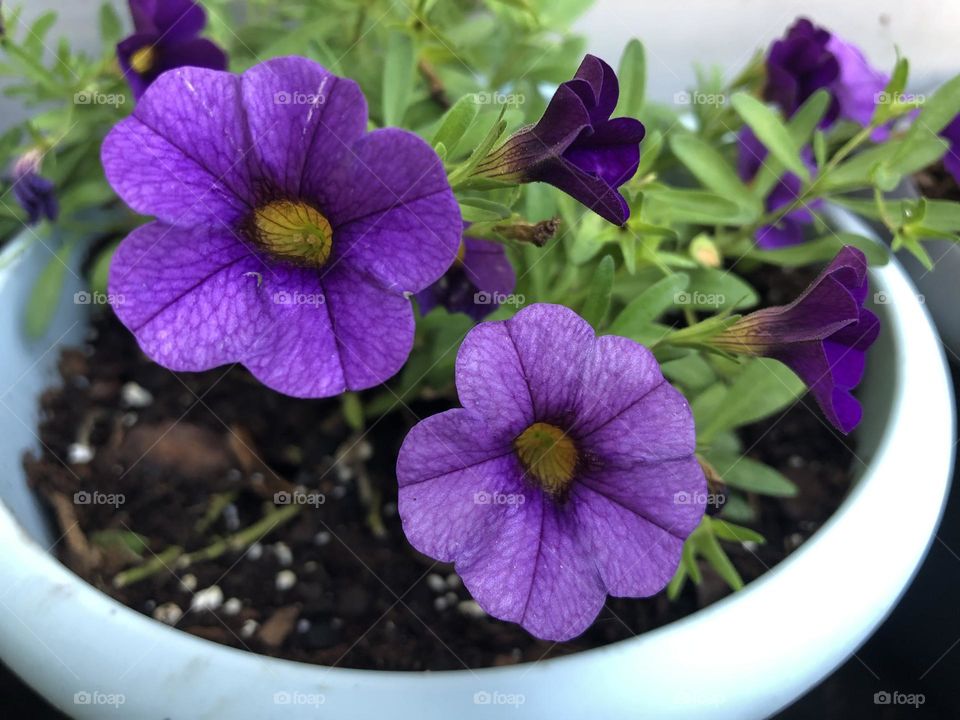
(576, 147)
(479, 277)
(286, 234)
(36, 194)
(165, 36)
(569, 472)
(951, 161)
(791, 228)
(811, 58)
(823, 336)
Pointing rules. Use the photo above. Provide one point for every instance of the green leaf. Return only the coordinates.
(455, 123)
(715, 290)
(771, 131)
(633, 80)
(712, 552)
(859, 171)
(477, 210)
(635, 319)
(100, 270)
(940, 215)
(121, 541)
(726, 530)
(822, 249)
(886, 103)
(398, 76)
(938, 111)
(713, 171)
(695, 206)
(111, 28)
(598, 300)
(45, 295)
(750, 475)
(762, 388)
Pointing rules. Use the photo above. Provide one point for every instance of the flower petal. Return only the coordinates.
(636, 521)
(183, 156)
(617, 374)
(303, 120)
(658, 426)
(373, 327)
(534, 570)
(491, 381)
(190, 295)
(396, 216)
(450, 468)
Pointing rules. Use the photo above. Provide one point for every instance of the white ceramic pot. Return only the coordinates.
(744, 657)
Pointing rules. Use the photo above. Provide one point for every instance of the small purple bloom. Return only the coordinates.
(568, 474)
(479, 277)
(576, 146)
(791, 228)
(287, 237)
(35, 193)
(823, 336)
(951, 161)
(811, 58)
(165, 36)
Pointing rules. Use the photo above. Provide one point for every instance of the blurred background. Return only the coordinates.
(917, 650)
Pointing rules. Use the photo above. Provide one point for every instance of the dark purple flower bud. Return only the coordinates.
(36, 194)
(823, 336)
(790, 229)
(166, 35)
(477, 282)
(951, 161)
(576, 146)
(811, 58)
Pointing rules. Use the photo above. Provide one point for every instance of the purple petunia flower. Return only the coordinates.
(823, 336)
(951, 161)
(165, 36)
(569, 472)
(479, 277)
(791, 229)
(286, 234)
(575, 146)
(811, 58)
(35, 193)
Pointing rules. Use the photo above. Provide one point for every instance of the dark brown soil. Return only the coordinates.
(937, 184)
(359, 595)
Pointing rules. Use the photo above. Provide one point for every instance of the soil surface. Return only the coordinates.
(140, 463)
(938, 184)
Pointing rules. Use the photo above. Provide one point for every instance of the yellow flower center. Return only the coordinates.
(142, 60)
(549, 457)
(294, 231)
(461, 254)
